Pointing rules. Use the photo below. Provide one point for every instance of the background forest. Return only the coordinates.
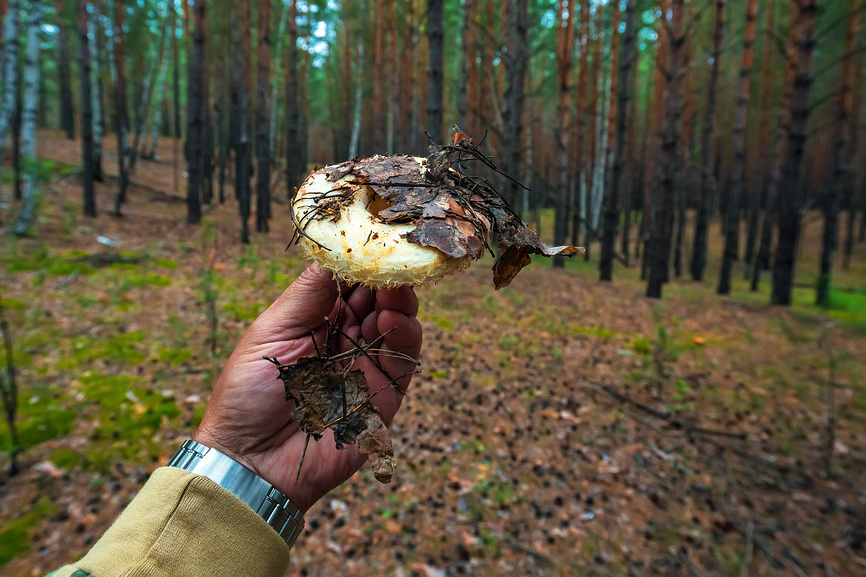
(561, 426)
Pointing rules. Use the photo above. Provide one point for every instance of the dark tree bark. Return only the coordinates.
(10, 69)
(791, 203)
(467, 100)
(175, 56)
(854, 195)
(762, 261)
(241, 40)
(435, 93)
(668, 181)
(379, 99)
(294, 170)
(263, 140)
(95, 37)
(121, 121)
(579, 195)
(195, 116)
(515, 59)
(732, 210)
(833, 197)
(611, 208)
(708, 176)
(564, 51)
(64, 83)
(86, 111)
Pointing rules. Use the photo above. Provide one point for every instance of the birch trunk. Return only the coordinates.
(10, 70)
(27, 217)
(150, 152)
(149, 82)
(732, 210)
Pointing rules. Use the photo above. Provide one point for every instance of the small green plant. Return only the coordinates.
(681, 397)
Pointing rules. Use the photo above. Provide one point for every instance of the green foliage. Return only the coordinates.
(594, 331)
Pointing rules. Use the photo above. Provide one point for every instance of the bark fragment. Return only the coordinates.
(453, 211)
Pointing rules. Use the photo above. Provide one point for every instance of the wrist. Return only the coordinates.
(275, 508)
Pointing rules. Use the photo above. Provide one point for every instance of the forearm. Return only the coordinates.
(185, 524)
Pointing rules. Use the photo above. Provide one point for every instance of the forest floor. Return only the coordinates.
(560, 426)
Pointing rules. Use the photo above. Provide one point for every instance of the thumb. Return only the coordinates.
(301, 307)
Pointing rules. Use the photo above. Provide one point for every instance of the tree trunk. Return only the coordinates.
(379, 98)
(10, 71)
(611, 212)
(263, 136)
(732, 210)
(293, 113)
(833, 197)
(86, 111)
(762, 262)
(791, 203)
(594, 118)
(27, 217)
(64, 83)
(708, 177)
(668, 181)
(93, 46)
(468, 99)
(394, 125)
(435, 91)
(514, 59)
(278, 55)
(855, 190)
(354, 141)
(578, 217)
(564, 51)
(195, 116)
(149, 82)
(120, 120)
(242, 41)
(150, 153)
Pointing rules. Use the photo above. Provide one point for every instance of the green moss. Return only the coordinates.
(15, 537)
(174, 356)
(65, 458)
(594, 331)
(641, 345)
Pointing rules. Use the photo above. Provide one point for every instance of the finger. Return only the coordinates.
(361, 301)
(401, 299)
(402, 335)
(402, 332)
(370, 328)
(299, 309)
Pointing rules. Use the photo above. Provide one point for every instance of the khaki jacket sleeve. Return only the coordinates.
(183, 524)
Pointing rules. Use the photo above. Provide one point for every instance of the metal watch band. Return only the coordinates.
(259, 495)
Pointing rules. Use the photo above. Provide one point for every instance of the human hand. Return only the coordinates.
(247, 417)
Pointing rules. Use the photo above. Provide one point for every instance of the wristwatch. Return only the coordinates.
(259, 495)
